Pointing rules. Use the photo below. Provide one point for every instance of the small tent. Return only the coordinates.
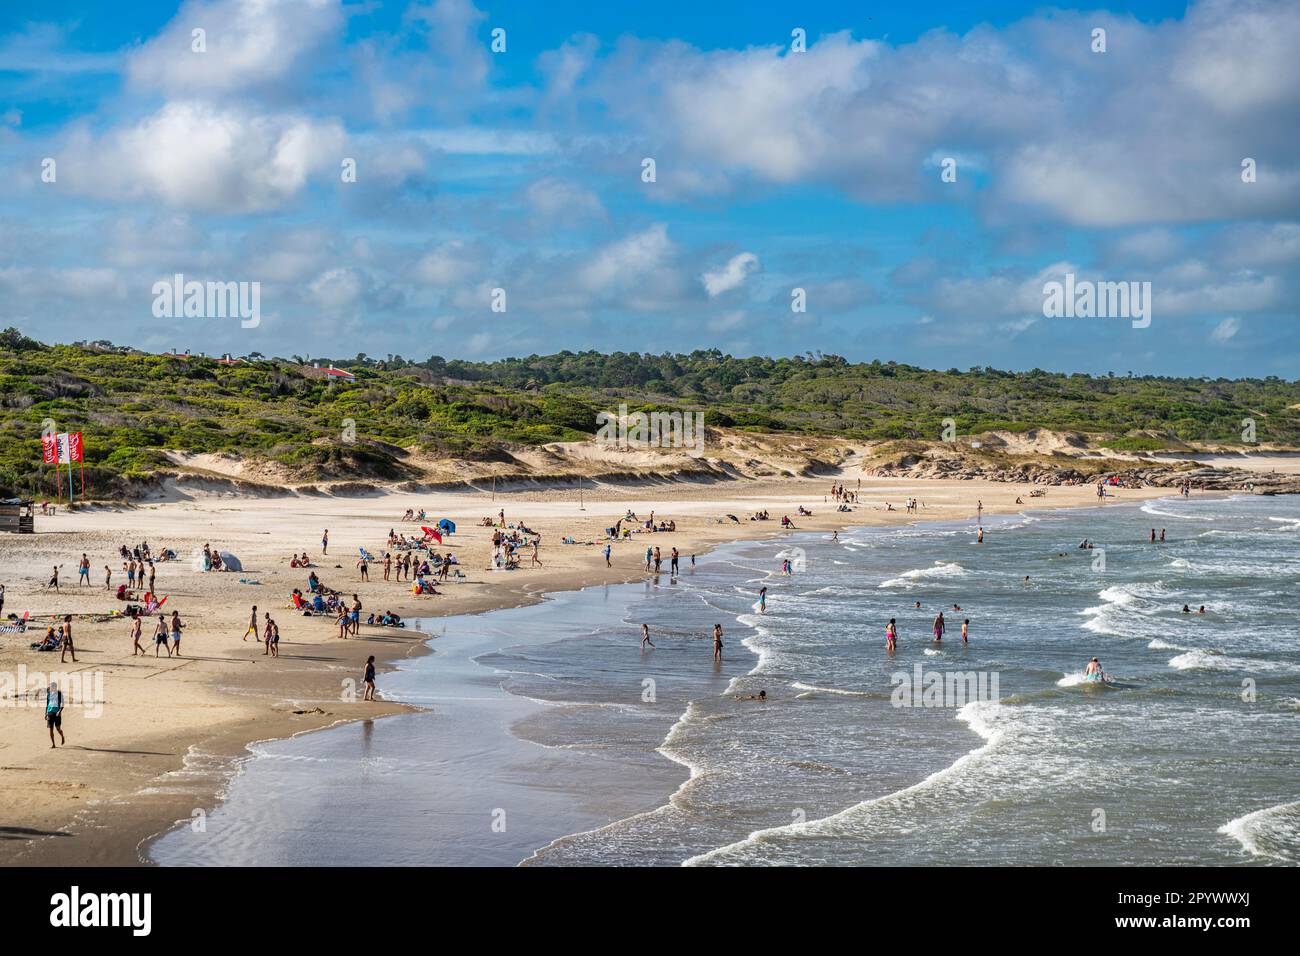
(447, 525)
(230, 562)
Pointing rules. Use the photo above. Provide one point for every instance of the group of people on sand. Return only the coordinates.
(842, 496)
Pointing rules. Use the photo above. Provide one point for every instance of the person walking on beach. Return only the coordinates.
(65, 643)
(356, 615)
(891, 635)
(939, 628)
(83, 571)
(252, 625)
(388, 564)
(673, 567)
(176, 633)
(979, 512)
(645, 636)
(325, 542)
(649, 554)
(267, 634)
(537, 562)
(717, 643)
(369, 678)
(152, 572)
(342, 622)
(137, 628)
(54, 713)
(160, 636)
(54, 580)
(607, 553)
(108, 578)
(364, 566)
(275, 639)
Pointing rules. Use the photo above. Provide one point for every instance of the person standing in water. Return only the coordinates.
(939, 628)
(1094, 672)
(891, 635)
(980, 538)
(717, 642)
(965, 627)
(762, 601)
(645, 637)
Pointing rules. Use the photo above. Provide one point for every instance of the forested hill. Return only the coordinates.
(134, 406)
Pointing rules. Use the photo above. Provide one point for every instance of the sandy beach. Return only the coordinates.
(97, 799)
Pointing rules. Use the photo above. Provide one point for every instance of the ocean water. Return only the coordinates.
(601, 754)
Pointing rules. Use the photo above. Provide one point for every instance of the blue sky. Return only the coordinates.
(776, 170)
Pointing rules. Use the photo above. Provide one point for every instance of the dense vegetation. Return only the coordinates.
(133, 405)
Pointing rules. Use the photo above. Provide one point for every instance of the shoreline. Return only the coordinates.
(125, 812)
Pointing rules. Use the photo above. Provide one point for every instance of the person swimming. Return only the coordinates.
(761, 695)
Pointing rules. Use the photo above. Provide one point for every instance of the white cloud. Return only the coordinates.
(451, 262)
(627, 260)
(730, 276)
(558, 201)
(1225, 330)
(198, 155)
(249, 43)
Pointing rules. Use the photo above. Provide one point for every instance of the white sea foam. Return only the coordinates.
(1272, 832)
(978, 715)
(940, 571)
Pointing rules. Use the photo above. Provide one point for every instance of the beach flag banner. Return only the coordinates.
(75, 454)
(61, 441)
(50, 455)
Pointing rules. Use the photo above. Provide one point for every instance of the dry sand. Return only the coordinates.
(125, 774)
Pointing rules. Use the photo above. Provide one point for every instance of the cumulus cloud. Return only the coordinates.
(731, 275)
(1151, 131)
(198, 155)
(248, 43)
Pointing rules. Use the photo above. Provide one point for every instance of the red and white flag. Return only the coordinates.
(49, 448)
(74, 446)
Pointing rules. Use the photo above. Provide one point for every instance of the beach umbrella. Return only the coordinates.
(432, 533)
(230, 562)
(447, 525)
